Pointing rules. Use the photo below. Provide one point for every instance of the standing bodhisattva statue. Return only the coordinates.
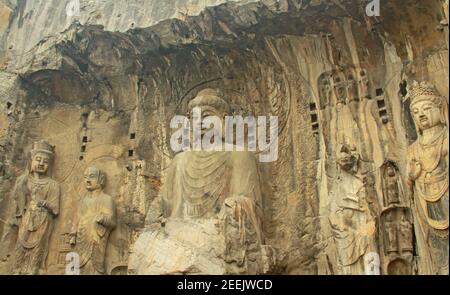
(36, 204)
(428, 177)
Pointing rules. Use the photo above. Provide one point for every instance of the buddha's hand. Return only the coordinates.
(415, 168)
(43, 204)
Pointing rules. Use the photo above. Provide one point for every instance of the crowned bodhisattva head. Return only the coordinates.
(428, 107)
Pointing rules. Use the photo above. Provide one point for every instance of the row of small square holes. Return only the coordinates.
(131, 152)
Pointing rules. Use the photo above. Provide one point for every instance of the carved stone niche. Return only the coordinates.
(350, 84)
(396, 240)
(391, 184)
(324, 90)
(363, 84)
(340, 87)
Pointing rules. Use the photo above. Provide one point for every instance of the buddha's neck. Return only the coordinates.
(38, 176)
(95, 193)
(430, 134)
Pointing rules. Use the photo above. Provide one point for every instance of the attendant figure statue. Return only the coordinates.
(428, 177)
(96, 218)
(36, 205)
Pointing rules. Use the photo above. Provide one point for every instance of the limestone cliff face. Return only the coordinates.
(36, 20)
(337, 79)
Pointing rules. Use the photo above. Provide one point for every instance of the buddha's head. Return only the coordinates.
(427, 106)
(211, 104)
(41, 156)
(348, 158)
(94, 178)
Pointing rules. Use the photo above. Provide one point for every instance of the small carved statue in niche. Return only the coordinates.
(363, 84)
(353, 93)
(96, 218)
(36, 204)
(392, 193)
(324, 90)
(392, 186)
(428, 176)
(391, 233)
(406, 234)
(397, 238)
(340, 87)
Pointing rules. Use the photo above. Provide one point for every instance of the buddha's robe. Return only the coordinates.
(431, 198)
(198, 182)
(36, 223)
(92, 237)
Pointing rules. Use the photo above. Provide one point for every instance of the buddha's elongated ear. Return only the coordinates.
(101, 178)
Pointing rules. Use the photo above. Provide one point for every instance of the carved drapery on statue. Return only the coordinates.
(351, 223)
(395, 230)
(96, 218)
(428, 177)
(199, 182)
(36, 204)
(201, 189)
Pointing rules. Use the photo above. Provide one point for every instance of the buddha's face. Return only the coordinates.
(92, 180)
(207, 111)
(40, 163)
(426, 114)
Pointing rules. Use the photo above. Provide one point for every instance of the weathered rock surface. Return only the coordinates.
(340, 195)
(36, 20)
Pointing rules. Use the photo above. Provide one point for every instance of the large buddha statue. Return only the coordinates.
(211, 206)
(36, 204)
(198, 182)
(428, 177)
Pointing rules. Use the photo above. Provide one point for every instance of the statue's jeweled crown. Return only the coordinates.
(424, 92)
(44, 147)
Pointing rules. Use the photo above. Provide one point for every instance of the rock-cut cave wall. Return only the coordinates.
(339, 81)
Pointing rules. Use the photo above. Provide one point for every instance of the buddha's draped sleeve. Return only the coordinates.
(20, 192)
(109, 210)
(172, 190)
(245, 179)
(53, 197)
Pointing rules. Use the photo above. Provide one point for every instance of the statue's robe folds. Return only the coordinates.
(351, 243)
(198, 182)
(92, 237)
(211, 203)
(36, 223)
(431, 198)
